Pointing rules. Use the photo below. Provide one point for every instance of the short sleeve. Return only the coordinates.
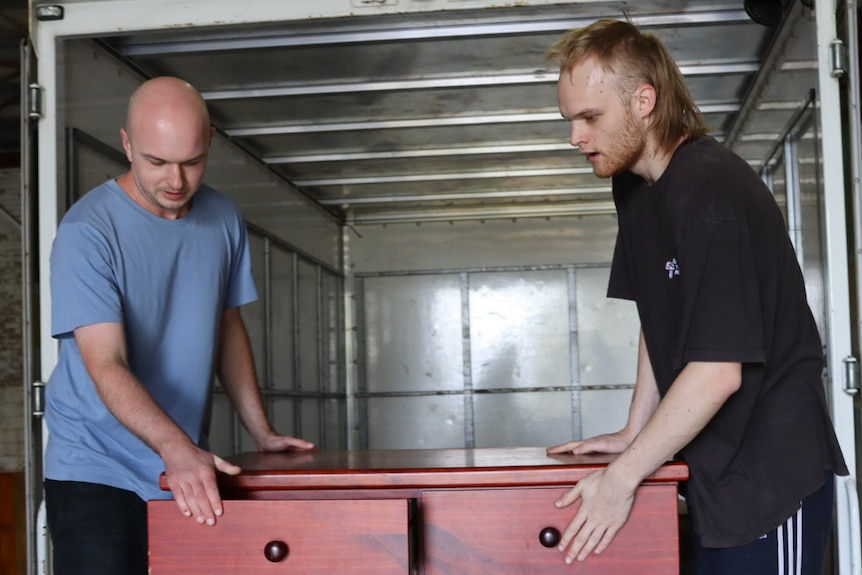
(241, 287)
(83, 284)
(721, 311)
(619, 285)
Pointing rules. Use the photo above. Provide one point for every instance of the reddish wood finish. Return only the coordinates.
(423, 468)
(363, 537)
(497, 531)
(476, 511)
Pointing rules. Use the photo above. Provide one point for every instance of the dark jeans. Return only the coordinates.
(96, 529)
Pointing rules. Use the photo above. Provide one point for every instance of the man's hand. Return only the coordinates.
(191, 476)
(609, 443)
(605, 507)
(274, 443)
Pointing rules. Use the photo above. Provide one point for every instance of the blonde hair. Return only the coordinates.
(636, 58)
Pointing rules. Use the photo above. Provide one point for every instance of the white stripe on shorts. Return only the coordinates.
(789, 537)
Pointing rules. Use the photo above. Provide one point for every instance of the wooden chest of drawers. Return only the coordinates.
(432, 512)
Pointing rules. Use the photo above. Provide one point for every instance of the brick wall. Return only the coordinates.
(11, 353)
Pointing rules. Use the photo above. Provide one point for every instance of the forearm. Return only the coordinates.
(130, 402)
(691, 402)
(645, 398)
(237, 375)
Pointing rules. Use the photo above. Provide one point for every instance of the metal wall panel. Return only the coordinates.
(282, 296)
(532, 357)
(608, 332)
(522, 419)
(222, 428)
(519, 330)
(310, 427)
(254, 314)
(284, 410)
(334, 424)
(413, 334)
(309, 344)
(332, 334)
(603, 411)
(425, 422)
(450, 245)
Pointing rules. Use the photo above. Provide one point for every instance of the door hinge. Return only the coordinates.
(851, 375)
(838, 55)
(37, 391)
(34, 101)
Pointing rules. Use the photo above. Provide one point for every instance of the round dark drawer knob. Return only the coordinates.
(549, 537)
(276, 551)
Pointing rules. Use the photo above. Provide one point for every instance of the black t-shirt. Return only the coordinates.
(705, 254)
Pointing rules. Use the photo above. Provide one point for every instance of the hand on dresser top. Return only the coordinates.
(190, 474)
(608, 443)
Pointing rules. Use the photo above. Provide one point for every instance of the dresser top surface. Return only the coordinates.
(421, 468)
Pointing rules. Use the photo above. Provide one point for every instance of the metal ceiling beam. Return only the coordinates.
(435, 122)
(403, 178)
(559, 146)
(467, 81)
(506, 213)
(477, 196)
(553, 115)
(233, 41)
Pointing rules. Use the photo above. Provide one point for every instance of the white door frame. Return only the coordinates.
(837, 289)
(100, 17)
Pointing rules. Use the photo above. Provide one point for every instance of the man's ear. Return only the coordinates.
(127, 145)
(644, 100)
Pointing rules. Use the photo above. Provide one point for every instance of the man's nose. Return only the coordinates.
(578, 135)
(175, 176)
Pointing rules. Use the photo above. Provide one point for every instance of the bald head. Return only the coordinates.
(166, 99)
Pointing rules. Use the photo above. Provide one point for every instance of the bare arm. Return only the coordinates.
(645, 399)
(190, 471)
(607, 495)
(237, 375)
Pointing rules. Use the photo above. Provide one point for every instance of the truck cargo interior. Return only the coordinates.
(433, 250)
(431, 253)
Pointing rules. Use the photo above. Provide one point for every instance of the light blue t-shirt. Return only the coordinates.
(167, 282)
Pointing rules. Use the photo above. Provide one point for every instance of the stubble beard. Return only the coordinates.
(625, 151)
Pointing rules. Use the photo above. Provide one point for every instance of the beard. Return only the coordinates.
(625, 151)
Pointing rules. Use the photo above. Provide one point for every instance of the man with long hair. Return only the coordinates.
(730, 362)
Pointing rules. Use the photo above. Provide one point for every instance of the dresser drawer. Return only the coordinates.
(262, 537)
(497, 531)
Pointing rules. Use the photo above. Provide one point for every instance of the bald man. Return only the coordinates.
(148, 273)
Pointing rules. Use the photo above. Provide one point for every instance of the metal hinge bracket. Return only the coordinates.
(37, 391)
(851, 375)
(34, 101)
